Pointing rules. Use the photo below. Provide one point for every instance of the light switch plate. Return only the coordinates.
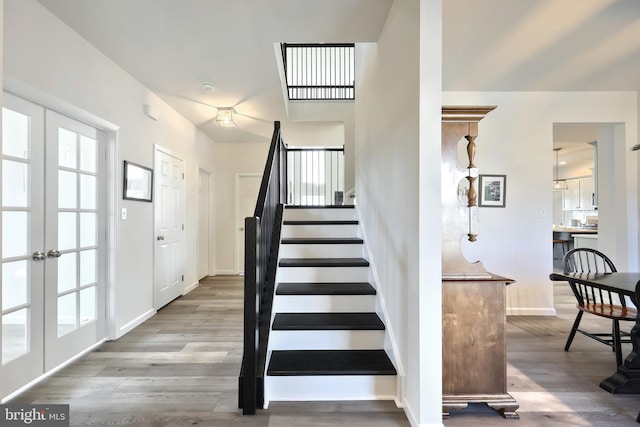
(123, 215)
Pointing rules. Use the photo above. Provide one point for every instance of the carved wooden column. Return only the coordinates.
(473, 300)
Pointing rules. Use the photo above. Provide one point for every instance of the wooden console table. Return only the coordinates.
(474, 355)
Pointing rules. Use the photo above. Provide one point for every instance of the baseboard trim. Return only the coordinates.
(226, 273)
(524, 311)
(135, 322)
(190, 288)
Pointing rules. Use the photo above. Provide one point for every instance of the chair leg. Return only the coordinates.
(574, 328)
(616, 342)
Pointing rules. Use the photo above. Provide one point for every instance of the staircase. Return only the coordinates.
(326, 340)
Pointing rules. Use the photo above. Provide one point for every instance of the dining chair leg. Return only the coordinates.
(574, 328)
(616, 342)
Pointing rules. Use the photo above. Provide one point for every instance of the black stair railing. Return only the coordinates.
(262, 237)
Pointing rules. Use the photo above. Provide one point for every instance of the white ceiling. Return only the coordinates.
(172, 46)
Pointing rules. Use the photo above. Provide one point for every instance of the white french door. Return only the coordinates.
(53, 232)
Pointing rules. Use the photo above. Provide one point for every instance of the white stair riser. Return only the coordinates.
(320, 230)
(329, 387)
(321, 251)
(326, 340)
(319, 214)
(322, 274)
(324, 303)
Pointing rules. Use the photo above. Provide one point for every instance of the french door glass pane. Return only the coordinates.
(67, 190)
(15, 234)
(15, 184)
(87, 229)
(14, 284)
(67, 314)
(67, 148)
(87, 305)
(14, 335)
(87, 191)
(67, 230)
(88, 150)
(15, 134)
(67, 272)
(87, 267)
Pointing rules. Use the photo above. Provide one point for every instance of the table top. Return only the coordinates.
(628, 283)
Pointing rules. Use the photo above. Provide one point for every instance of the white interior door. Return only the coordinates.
(246, 196)
(53, 240)
(169, 227)
(203, 225)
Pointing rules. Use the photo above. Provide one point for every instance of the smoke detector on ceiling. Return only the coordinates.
(208, 87)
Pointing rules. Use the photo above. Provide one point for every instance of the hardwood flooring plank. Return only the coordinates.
(180, 369)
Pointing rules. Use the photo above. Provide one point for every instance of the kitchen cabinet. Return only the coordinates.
(579, 195)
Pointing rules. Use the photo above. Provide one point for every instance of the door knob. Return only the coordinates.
(38, 256)
(53, 254)
(160, 237)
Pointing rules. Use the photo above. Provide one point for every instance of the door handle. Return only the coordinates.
(160, 237)
(38, 256)
(53, 254)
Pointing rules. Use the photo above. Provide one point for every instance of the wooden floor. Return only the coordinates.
(180, 368)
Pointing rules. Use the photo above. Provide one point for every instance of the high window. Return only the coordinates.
(319, 71)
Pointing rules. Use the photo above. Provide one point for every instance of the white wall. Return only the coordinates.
(397, 150)
(46, 60)
(232, 159)
(308, 134)
(516, 139)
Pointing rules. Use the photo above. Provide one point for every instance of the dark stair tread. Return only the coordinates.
(327, 322)
(323, 262)
(319, 207)
(321, 222)
(322, 241)
(330, 362)
(327, 288)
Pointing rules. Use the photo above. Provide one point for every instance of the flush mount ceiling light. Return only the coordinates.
(559, 184)
(224, 117)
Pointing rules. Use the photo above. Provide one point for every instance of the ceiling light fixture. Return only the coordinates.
(224, 117)
(559, 184)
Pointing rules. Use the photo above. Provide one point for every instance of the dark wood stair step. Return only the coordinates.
(320, 288)
(321, 222)
(327, 322)
(330, 362)
(322, 241)
(319, 207)
(323, 262)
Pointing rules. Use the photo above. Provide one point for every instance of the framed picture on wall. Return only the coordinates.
(138, 182)
(492, 191)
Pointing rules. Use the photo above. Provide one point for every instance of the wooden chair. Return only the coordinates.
(608, 304)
